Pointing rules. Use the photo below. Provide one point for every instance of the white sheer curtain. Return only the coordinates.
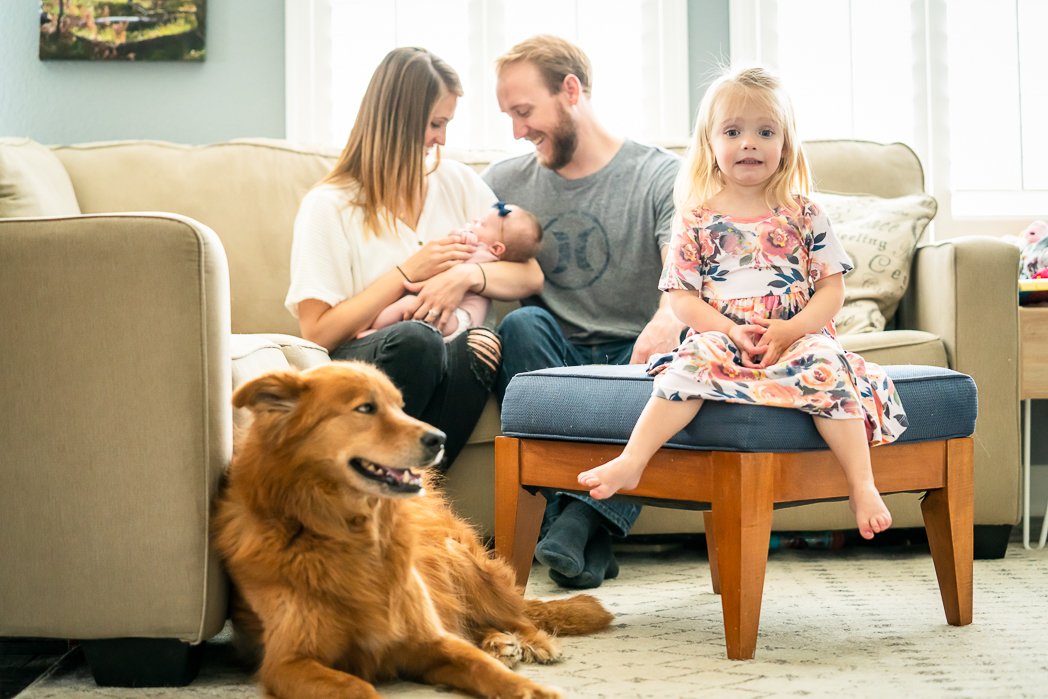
(638, 49)
(961, 81)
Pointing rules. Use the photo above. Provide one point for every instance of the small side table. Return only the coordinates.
(1033, 383)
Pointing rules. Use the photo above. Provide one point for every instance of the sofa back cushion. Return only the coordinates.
(864, 167)
(247, 191)
(33, 181)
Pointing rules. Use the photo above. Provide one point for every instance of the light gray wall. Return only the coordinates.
(237, 91)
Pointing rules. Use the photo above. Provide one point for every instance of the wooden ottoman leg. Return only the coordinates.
(711, 549)
(742, 508)
(518, 513)
(949, 519)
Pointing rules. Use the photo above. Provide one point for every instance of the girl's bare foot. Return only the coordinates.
(618, 474)
(871, 514)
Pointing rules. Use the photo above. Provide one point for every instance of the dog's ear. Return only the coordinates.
(276, 391)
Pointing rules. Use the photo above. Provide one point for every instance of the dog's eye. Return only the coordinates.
(366, 408)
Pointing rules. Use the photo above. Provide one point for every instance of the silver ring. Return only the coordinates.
(432, 312)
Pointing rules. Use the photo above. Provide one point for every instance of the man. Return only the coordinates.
(606, 206)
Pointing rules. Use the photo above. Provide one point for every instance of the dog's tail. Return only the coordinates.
(574, 616)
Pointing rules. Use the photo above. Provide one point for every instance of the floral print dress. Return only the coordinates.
(767, 267)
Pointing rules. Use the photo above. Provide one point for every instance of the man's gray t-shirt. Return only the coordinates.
(602, 238)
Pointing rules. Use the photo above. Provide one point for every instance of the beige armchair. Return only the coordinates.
(115, 433)
(117, 339)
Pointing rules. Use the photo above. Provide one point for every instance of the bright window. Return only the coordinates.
(961, 81)
(638, 49)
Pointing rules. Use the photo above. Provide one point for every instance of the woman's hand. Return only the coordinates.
(778, 336)
(441, 294)
(437, 256)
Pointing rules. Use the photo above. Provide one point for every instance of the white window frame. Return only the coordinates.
(308, 75)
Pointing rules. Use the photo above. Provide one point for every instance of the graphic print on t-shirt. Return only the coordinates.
(575, 251)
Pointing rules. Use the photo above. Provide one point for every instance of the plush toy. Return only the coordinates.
(1033, 261)
(1034, 233)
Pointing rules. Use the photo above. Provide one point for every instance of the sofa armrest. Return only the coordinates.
(116, 426)
(964, 291)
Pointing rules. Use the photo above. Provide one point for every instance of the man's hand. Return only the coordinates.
(661, 334)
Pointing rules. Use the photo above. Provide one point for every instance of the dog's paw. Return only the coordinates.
(540, 648)
(504, 647)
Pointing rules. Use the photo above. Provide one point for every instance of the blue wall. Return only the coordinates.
(237, 91)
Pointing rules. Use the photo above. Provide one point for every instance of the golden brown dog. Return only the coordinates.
(350, 568)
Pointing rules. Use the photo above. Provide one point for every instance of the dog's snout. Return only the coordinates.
(433, 440)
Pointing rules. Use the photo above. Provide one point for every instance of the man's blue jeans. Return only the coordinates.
(531, 340)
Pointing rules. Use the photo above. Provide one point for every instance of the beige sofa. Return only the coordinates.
(118, 331)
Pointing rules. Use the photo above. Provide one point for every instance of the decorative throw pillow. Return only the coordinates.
(880, 235)
(33, 181)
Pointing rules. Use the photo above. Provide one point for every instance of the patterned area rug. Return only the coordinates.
(853, 622)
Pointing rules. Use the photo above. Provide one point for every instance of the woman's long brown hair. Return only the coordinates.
(384, 157)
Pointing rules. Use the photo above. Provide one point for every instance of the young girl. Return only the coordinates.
(756, 273)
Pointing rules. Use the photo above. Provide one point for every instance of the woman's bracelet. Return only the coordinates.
(483, 276)
(404, 275)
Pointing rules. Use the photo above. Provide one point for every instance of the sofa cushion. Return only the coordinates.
(33, 181)
(880, 234)
(601, 404)
(898, 347)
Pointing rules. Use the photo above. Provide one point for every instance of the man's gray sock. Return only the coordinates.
(600, 564)
(563, 548)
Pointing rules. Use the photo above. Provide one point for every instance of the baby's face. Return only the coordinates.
(489, 229)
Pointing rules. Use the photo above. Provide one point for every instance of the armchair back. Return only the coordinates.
(247, 191)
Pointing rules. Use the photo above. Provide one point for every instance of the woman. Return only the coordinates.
(378, 224)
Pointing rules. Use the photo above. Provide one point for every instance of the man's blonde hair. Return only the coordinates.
(385, 154)
(555, 58)
(755, 87)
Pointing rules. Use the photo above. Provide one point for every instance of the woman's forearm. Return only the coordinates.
(330, 326)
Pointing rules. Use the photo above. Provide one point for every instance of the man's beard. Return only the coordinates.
(564, 140)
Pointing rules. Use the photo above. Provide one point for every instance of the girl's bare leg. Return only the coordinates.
(660, 420)
(847, 440)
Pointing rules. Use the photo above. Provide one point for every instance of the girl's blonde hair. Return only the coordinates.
(755, 88)
(385, 154)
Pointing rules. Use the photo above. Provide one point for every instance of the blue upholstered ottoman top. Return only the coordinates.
(600, 403)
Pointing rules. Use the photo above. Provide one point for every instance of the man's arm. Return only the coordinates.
(662, 333)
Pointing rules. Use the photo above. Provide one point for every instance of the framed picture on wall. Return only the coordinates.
(142, 30)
